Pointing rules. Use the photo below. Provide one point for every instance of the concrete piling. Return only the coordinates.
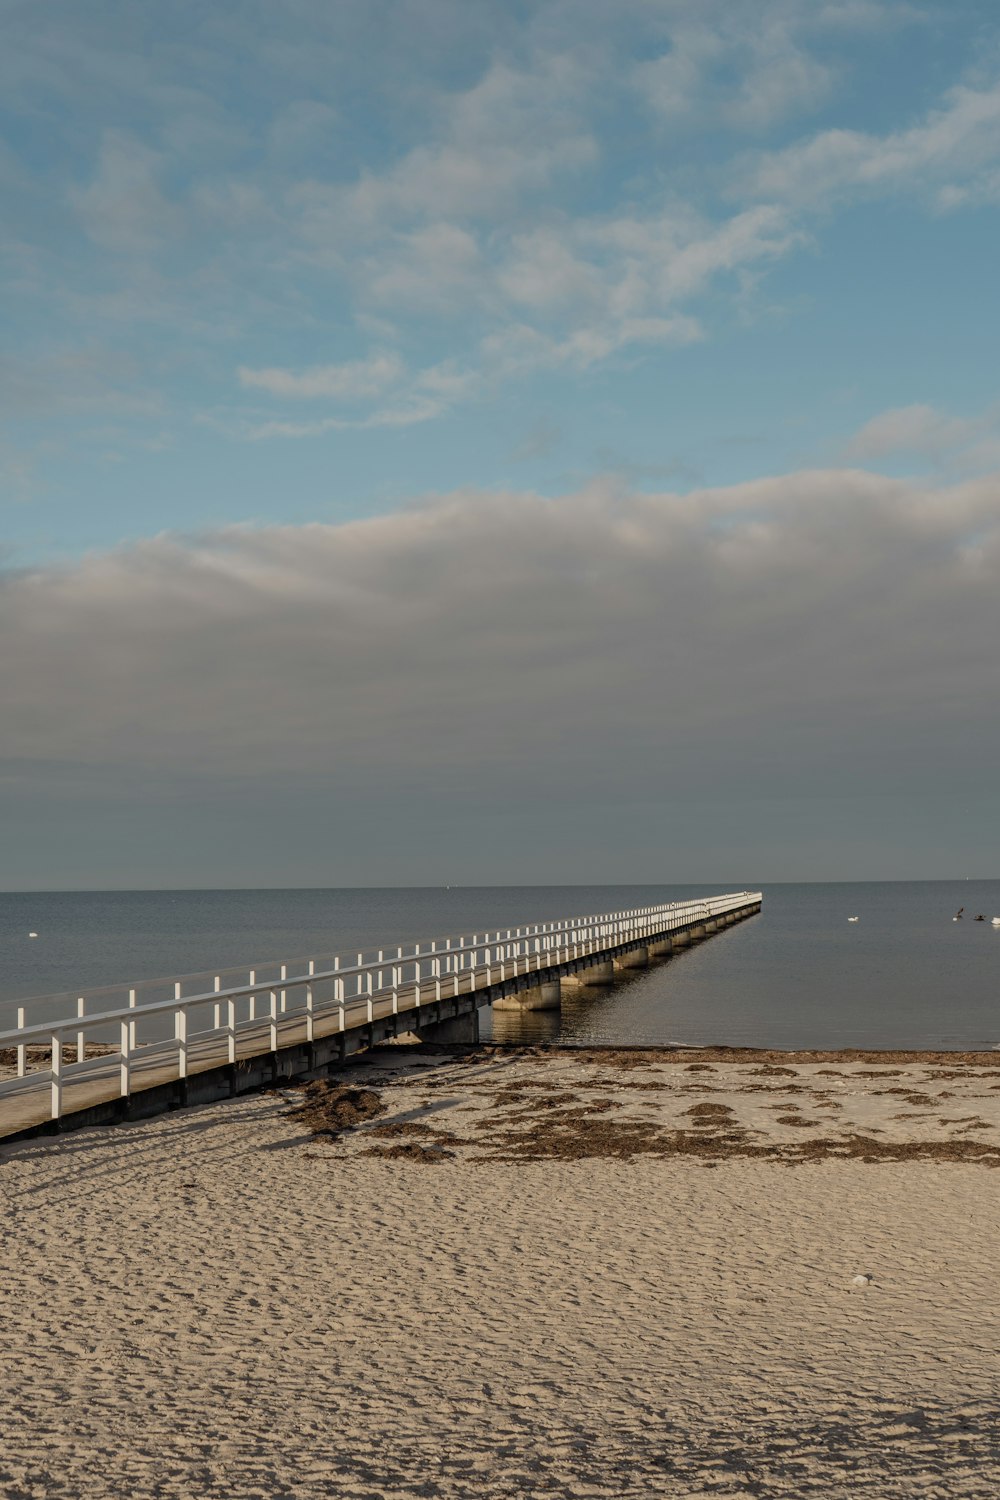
(634, 958)
(592, 976)
(544, 996)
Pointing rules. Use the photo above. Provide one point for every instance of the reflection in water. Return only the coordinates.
(518, 1027)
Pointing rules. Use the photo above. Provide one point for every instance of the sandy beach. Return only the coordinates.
(567, 1274)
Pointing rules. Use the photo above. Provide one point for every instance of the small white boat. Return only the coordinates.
(995, 922)
(854, 919)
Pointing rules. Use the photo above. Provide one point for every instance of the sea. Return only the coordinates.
(906, 974)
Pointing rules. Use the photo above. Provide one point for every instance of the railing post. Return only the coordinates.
(22, 1051)
(131, 1025)
(81, 1006)
(217, 1008)
(253, 998)
(181, 1037)
(56, 1070)
(284, 996)
(273, 1020)
(231, 1029)
(338, 996)
(309, 1003)
(124, 1069)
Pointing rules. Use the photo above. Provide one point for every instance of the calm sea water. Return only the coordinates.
(797, 975)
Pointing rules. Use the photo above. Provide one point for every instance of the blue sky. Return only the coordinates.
(307, 261)
(590, 301)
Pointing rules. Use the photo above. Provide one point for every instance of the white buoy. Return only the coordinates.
(32, 934)
(862, 1280)
(995, 922)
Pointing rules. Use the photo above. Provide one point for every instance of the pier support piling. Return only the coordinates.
(635, 958)
(544, 996)
(595, 975)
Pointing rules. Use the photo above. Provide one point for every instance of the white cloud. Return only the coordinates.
(124, 207)
(674, 255)
(543, 272)
(500, 192)
(519, 348)
(404, 399)
(494, 145)
(962, 444)
(436, 268)
(357, 379)
(601, 286)
(438, 233)
(911, 429)
(407, 412)
(567, 296)
(734, 68)
(951, 154)
(447, 381)
(591, 287)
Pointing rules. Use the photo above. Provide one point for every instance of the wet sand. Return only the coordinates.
(517, 1273)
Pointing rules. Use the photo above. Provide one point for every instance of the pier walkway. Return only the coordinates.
(124, 1054)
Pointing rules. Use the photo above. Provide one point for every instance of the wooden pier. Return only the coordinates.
(100, 1065)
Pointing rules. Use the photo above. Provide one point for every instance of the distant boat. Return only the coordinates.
(996, 921)
(854, 919)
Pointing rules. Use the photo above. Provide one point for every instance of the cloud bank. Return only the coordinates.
(783, 634)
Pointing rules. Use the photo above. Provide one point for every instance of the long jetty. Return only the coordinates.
(94, 1062)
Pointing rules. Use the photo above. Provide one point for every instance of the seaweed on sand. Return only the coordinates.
(330, 1108)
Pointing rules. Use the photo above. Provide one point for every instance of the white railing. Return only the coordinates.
(335, 995)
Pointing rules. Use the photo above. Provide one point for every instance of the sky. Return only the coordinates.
(470, 443)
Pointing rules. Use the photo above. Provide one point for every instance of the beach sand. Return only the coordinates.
(563, 1274)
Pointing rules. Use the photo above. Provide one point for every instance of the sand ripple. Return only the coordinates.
(217, 1303)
